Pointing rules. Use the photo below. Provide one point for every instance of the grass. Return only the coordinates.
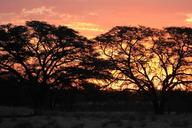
(130, 126)
(180, 123)
(143, 124)
(117, 123)
(51, 123)
(80, 125)
(24, 125)
(131, 118)
(141, 118)
(99, 120)
(153, 118)
(1, 120)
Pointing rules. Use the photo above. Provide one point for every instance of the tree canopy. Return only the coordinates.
(46, 54)
(146, 60)
(150, 61)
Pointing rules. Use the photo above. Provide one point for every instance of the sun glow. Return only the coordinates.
(153, 69)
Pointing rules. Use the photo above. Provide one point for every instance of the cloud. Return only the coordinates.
(46, 13)
(39, 11)
(93, 13)
(85, 26)
(90, 30)
(189, 18)
(51, 15)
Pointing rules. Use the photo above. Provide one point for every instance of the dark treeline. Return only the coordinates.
(53, 67)
(16, 94)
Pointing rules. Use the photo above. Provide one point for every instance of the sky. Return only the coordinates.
(94, 17)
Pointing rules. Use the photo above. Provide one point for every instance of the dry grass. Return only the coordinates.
(180, 123)
(115, 122)
(99, 120)
(24, 125)
(79, 125)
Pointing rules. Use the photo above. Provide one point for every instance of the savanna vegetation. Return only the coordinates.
(48, 66)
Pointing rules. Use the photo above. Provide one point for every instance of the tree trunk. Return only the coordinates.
(158, 106)
(162, 106)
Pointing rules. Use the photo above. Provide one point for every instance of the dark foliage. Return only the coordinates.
(151, 61)
(45, 57)
(53, 67)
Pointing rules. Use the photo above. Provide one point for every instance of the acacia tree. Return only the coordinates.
(148, 60)
(37, 51)
(45, 56)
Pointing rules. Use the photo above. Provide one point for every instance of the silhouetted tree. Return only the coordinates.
(150, 61)
(46, 56)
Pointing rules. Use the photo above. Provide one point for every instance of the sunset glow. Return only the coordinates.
(93, 17)
(87, 57)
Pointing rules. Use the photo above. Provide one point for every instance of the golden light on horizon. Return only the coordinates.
(153, 67)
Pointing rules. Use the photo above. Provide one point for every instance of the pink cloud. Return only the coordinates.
(189, 18)
(39, 11)
(50, 15)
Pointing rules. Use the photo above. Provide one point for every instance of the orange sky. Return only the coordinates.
(93, 17)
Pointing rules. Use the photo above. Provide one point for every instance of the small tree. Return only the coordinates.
(150, 61)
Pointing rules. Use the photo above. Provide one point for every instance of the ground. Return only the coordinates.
(23, 118)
